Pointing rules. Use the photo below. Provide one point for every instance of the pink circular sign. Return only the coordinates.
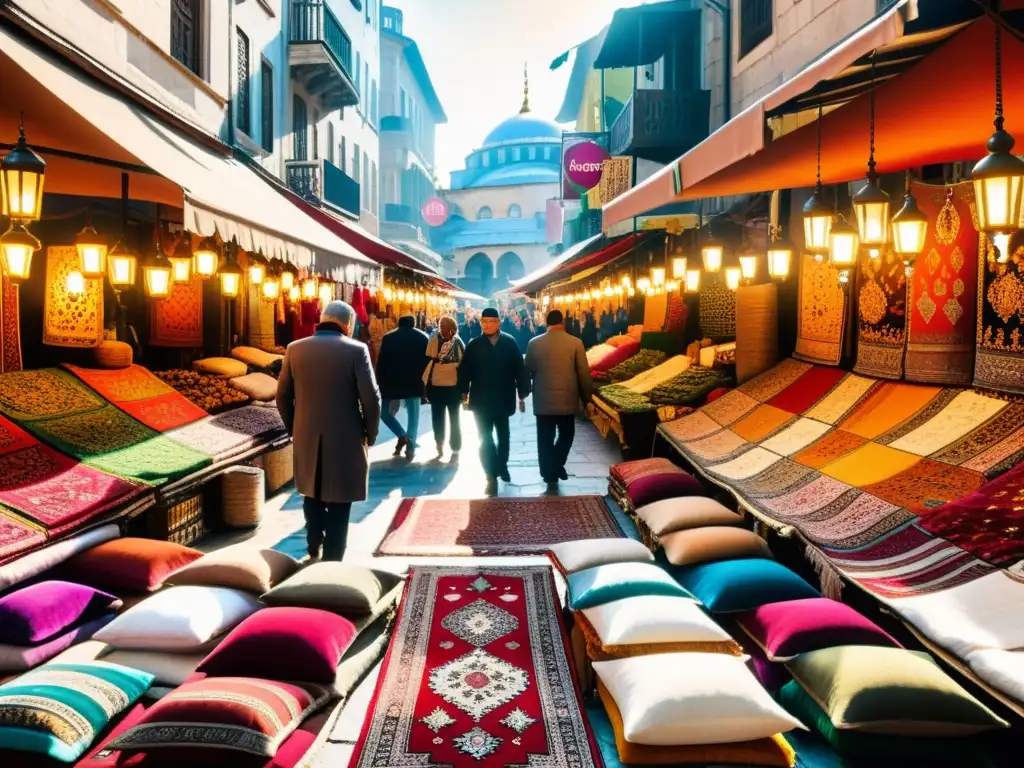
(434, 212)
(583, 164)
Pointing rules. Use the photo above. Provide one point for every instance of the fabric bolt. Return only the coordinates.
(763, 421)
(886, 407)
(757, 338)
(967, 411)
(770, 383)
(832, 446)
(809, 389)
(838, 403)
(796, 437)
(872, 463)
(177, 321)
(821, 313)
(927, 485)
(881, 314)
(717, 307)
(70, 319)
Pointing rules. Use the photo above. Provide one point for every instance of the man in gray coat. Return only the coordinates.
(330, 404)
(558, 366)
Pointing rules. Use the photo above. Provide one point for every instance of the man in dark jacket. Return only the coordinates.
(400, 367)
(491, 374)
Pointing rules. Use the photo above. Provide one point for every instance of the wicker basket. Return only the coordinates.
(242, 496)
(279, 468)
(181, 523)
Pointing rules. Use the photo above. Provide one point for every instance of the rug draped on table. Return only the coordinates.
(477, 674)
(503, 526)
(821, 313)
(881, 315)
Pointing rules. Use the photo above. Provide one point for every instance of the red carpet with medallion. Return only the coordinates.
(477, 674)
(502, 526)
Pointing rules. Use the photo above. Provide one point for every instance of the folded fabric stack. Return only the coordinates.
(225, 435)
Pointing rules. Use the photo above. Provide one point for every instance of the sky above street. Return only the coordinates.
(475, 51)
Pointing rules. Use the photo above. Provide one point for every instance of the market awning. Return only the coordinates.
(641, 35)
(68, 110)
(567, 256)
(567, 269)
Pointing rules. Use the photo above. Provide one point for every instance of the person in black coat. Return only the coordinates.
(400, 366)
(491, 375)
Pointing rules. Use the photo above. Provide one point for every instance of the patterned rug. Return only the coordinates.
(10, 327)
(227, 434)
(142, 395)
(505, 526)
(177, 321)
(477, 674)
(821, 313)
(70, 319)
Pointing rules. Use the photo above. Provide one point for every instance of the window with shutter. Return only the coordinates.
(242, 102)
(186, 33)
(755, 24)
(267, 106)
(300, 146)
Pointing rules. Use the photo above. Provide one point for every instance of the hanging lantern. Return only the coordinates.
(293, 292)
(625, 281)
(257, 269)
(692, 280)
(22, 173)
(608, 292)
(909, 227)
(748, 264)
(230, 278)
(817, 215)
(271, 287)
(121, 267)
(643, 285)
(619, 290)
(326, 293)
(712, 253)
(287, 278)
(658, 276)
(1002, 246)
(732, 278)
(309, 287)
(16, 247)
(679, 267)
(843, 241)
(75, 284)
(156, 276)
(206, 258)
(389, 294)
(181, 260)
(780, 256)
(92, 252)
(871, 203)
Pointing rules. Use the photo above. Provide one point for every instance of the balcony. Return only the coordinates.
(323, 183)
(391, 20)
(401, 214)
(320, 54)
(393, 123)
(660, 125)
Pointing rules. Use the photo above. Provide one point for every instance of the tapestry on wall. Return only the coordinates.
(757, 337)
(10, 328)
(942, 290)
(881, 315)
(999, 363)
(261, 321)
(177, 321)
(70, 319)
(821, 312)
(717, 307)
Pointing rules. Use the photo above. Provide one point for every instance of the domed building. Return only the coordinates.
(496, 232)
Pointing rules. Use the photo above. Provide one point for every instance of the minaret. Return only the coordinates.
(526, 91)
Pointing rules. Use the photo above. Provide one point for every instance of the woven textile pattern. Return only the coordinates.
(177, 321)
(757, 336)
(10, 327)
(17, 536)
(261, 320)
(477, 673)
(155, 461)
(70, 319)
(1000, 335)
(28, 395)
(821, 315)
(942, 292)
(717, 307)
(881, 315)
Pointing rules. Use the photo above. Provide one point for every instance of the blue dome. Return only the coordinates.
(523, 127)
(518, 173)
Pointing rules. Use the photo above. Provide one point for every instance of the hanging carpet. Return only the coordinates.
(10, 327)
(821, 313)
(717, 307)
(881, 315)
(999, 364)
(177, 321)
(70, 319)
(477, 674)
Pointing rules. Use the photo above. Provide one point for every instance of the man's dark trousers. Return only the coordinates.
(552, 453)
(494, 459)
(327, 527)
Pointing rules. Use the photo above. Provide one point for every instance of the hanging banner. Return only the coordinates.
(583, 155)
(616, 178)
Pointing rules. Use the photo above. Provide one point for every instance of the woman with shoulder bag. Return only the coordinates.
(441, 379)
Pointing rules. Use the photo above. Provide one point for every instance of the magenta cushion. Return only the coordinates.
(646, 481)
(19, 658)
(771, 674)
(619, 355)
(787, 629)
(293, 644)
(42, 611)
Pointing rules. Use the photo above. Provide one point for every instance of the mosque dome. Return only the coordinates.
(523, 127)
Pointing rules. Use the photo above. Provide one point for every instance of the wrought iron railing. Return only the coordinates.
(313, 22)
(321, 181)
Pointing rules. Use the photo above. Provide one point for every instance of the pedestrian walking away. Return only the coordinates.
(561, 383)
(445, 351)
(400, 365)
(490, 377)
(330, 405)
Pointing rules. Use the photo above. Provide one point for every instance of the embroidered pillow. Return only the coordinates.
(670, 515)
(596, 586)
(59, 709)
(572, 556)
(722, 542)
(729, 586)
(649, 480)
(40, 611)
(792, 627)
(228, 714)
(239, 567)
(302, 644)
(129, 564)
(349, 590)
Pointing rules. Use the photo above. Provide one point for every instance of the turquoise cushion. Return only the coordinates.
(71, 705)
(605, 583)
(741, 585)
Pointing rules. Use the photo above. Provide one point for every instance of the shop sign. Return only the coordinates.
(583, 156)
(434, 212)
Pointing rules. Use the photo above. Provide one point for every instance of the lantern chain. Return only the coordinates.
(817, 185)
(871, 101)
(998, 122)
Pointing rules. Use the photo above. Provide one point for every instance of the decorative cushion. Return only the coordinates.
(129, 564)
(742, 585)
(235, 714)
(572, 556)
(349, 590)
(40, 611)
(889, 691)
(113, 355)
(254, 356)
(25, 567)
(596, 586)
(18, 658)
(691, 698)
(620, 355)
(240, 567)
(649, 480)
(677, 514)
(703, 545)
(167, 669)
(771, 674)
(774, 751)
(596, 353)
(303, 644)
(179, 619)
(259, 386)
(60, 709)
(648, 624)
(225, 367)
(618, 341)
(792, 627)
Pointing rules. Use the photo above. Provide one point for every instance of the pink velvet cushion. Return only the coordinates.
(789, 628)
(620, 355)
(649, 480)
(294, 644)
(42, 611)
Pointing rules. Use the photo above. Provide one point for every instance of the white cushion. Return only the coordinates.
(653, 619)
(179, 619)
(575, 556)
(677, 699)
(1003, 670)
(169, 669)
